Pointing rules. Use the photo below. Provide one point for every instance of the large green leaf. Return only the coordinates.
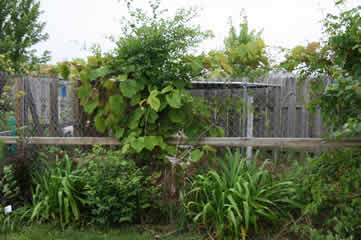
(98, 73)
(135, 118)
(91, 106)
(167, 89)
(177, 116)
(84, 77)
(138, 144)
(130, 87)
(100, 123)
(174, 99)
(84, 91)
(152, 116)
(119, 133)
(154, 101)
(151, 141)
(196, 155)
(117, 104)
(216, 132)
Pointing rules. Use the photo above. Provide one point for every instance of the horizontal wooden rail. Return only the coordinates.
(300, 144)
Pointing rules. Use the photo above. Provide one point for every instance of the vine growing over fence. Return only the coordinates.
(137, 91)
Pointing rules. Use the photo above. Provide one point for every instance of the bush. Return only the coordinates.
(116, 190)
(330, 189)
(237, 195)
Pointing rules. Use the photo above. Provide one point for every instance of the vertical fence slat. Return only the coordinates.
(250, 119)
(53, 108)
(317, 127)
(291, 118)
(30, 103)
(305, 121)
(277, 118)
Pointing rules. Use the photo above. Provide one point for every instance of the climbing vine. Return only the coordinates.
(137, 92)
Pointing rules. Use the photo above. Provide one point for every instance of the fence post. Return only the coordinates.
(250, 123)
(53, 108)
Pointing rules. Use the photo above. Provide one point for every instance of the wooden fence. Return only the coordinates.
(278, 110)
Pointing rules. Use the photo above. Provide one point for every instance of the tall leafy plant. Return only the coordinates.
(137, 91)
(244, 54)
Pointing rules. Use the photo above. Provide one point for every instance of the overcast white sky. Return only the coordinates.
(73, 24)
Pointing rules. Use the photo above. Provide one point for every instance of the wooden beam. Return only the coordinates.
(301, 144)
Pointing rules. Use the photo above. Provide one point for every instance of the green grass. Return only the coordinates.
(48, 232)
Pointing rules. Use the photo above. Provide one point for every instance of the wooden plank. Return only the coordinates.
(53, 108)
(307, 144)
(317, 127)
(250, 119)
(276, 117)
(305, 117)
(291, 117)
(31, 105)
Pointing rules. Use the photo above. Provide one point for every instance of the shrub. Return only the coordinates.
(116, 189)
(238, 194)
(329, 186)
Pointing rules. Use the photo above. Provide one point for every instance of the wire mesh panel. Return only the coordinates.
(241, 108)
(226, 107)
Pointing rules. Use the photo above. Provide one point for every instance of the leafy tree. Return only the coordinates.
(337, 60)
(244, 54)
(20, 29)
